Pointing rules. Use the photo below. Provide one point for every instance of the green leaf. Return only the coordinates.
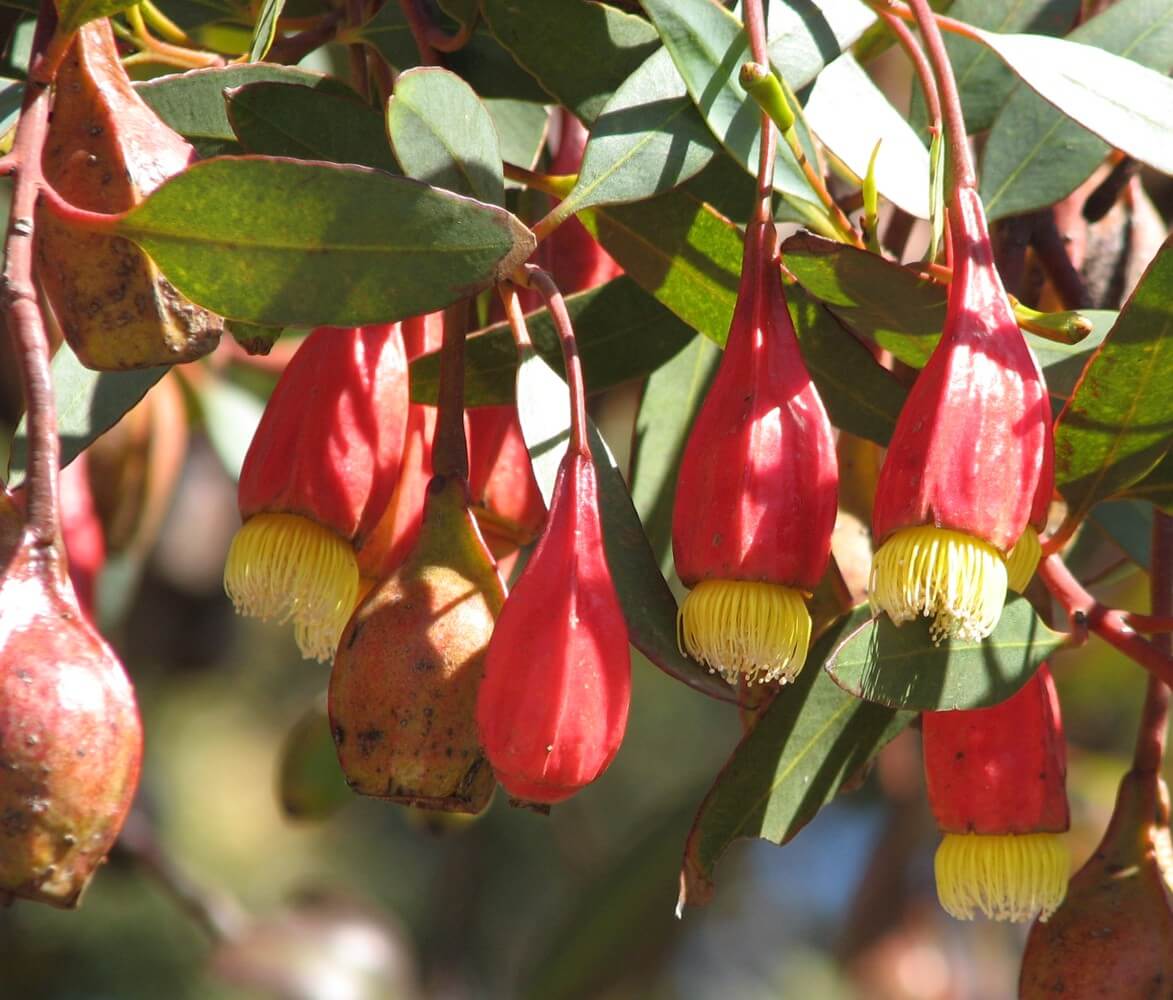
(667, 410)
(901, 667)
(681, 251)
(861, 396)
(543, 409)
(648, 139)
(193, 103)
(1129, 524)
(622, 334)
(903, 313)
(89, 403)
(849, 114)
(983, 81)
(282, 119)
(810, 741)
(1157, 486)
(521, 129)
(579, 52)
(443, 136)
(1118, 423)
(1035, 155)
(492, 71)
(285, 242)
(389, 34)
(265, 30)
(1127, 105)
(709, 46)
(72, 14)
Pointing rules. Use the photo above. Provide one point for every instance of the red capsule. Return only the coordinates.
(970, 451)
(757, 493)
(318, 475)
(996, 781)
(552, 707)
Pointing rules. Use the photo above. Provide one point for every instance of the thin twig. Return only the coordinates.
(557, 308)
(1154, 719)
(1052, 253)
(1109, 624)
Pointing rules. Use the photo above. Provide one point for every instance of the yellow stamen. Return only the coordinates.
(957, 580)
(1023, 560)
(743, 628)
(284, 566)
(1007, 877)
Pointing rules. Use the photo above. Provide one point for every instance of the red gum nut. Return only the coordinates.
(756, 497)
(972, 442)
(552, 707)
(999, 770)
(330, 441)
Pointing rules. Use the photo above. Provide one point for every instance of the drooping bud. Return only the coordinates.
(105, 151)
(70, 735)
(996, 784)
(404, 685)
(506, 500)
(1113, 935)
(963, 470)
(756, 497)
(552, 709)
(319, 473)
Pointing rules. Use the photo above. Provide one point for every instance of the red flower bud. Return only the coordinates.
(81, 531)
(996, 784)
(756, 497)
(964, 467)
(552, 707)
(70, 735)
(318, 475)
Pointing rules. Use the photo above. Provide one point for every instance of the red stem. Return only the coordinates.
(755, 28)
(1087, 613)
(1149, 624)
(557, 306)
(419, 26)
(924, 72)
(959, 159)
(1154, 719)
(23, 311)
(516, 316)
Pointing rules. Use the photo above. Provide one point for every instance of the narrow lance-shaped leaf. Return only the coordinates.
(72, 14)
(1118, 423)
(285, 242)
(811, 740)
(543, 410)
(266, 29)
(89, 403)
(902, 667)
(281, 119)
(622, 333)
(648, 138)
(443, 135)
(1127, 105)
(1035, 155)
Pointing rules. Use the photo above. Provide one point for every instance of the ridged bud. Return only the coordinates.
(756, 496)
(404, 685)
(552, 708)
(996, 783)
(506, 500)
(964, 466)
(105, 151)
(319, 473)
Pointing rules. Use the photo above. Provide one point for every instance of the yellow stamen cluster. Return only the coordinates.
(745, 629)
(1006, 877)
(953, 578)
(1023, 560)
(286, 567)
